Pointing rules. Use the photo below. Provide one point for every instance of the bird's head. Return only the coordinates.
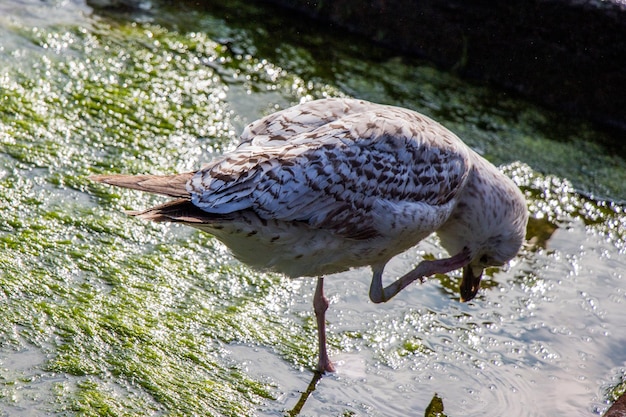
(489, 222)
(495, 251)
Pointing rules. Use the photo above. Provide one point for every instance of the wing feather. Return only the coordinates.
(356, 172)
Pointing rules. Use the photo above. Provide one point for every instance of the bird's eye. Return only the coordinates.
(484, 259)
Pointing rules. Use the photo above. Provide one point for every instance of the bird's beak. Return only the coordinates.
(470, 282)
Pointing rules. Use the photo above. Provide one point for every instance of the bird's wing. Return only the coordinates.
(356, 175)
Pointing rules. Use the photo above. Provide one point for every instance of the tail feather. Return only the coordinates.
(176, 211)
(169, 185)
(180, 210)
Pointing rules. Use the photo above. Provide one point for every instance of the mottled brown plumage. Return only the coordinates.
(339, 183)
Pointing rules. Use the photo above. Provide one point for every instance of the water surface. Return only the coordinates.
(102, 314)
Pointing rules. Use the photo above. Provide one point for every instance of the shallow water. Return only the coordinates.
(101, 314)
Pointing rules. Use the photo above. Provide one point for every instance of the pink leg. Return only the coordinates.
(320, 305)
(378, 294)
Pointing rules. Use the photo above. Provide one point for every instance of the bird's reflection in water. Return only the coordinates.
(317, 376)
(434, 408)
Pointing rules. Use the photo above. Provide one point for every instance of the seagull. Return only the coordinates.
(338, 183)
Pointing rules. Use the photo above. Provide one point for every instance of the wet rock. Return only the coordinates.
(618, 409)
(567, 54)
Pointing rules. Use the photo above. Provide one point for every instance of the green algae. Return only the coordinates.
(133, 318)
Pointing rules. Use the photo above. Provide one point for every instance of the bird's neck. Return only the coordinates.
(484, 208)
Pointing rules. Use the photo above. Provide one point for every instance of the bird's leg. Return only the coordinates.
(378, 294)
(320, 305)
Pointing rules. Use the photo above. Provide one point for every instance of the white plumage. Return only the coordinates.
(338, 183)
